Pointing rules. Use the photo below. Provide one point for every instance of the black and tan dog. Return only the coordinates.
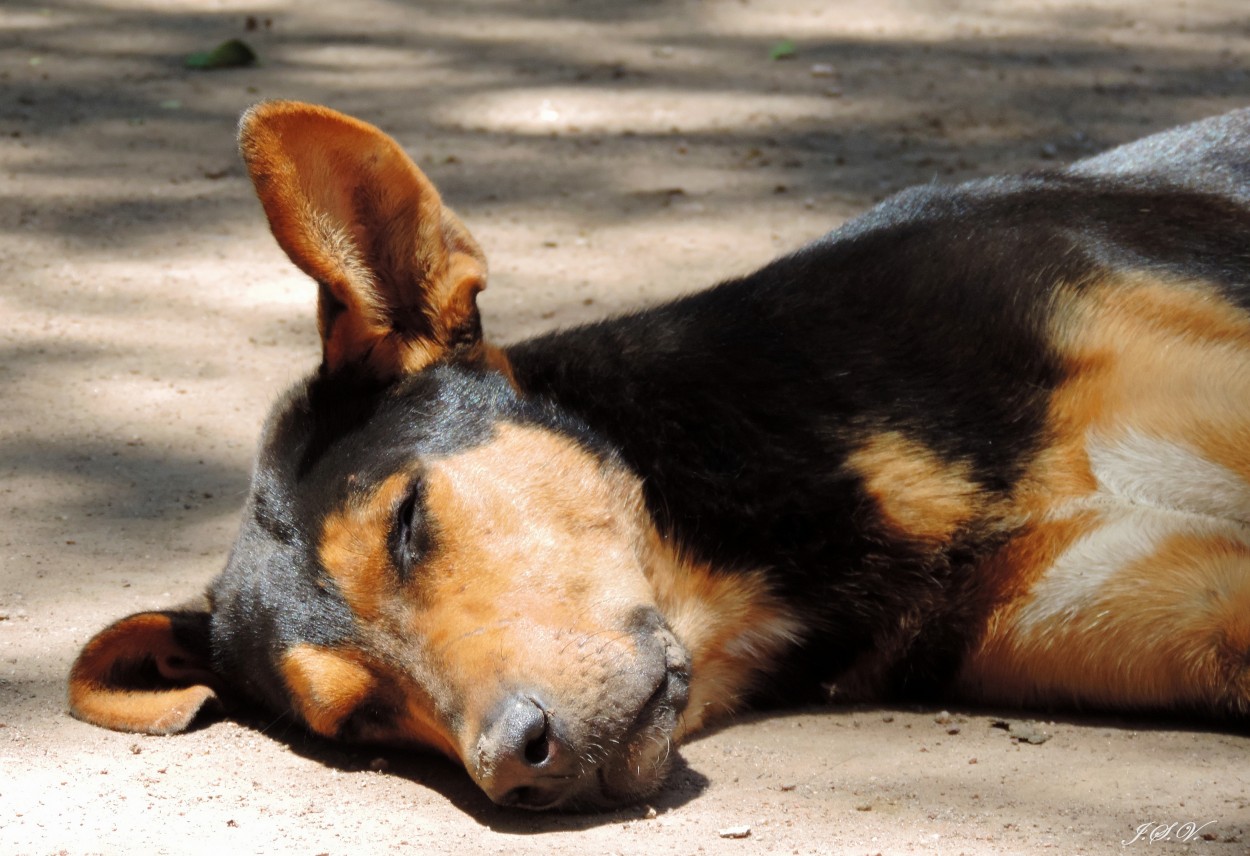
(989, 443)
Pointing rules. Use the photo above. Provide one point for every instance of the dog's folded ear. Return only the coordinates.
(149, 673)
(398, 272)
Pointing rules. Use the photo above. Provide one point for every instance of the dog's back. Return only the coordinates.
(1210, 156)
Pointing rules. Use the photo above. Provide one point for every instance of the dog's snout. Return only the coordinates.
(520, 759)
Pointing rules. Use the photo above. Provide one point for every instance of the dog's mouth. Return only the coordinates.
(642, 765)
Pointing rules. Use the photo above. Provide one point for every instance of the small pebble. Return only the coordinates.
(1027, 732)
(735, 832)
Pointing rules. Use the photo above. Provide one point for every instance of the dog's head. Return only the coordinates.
(426, 557)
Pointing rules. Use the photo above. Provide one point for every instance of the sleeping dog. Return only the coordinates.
(988, 443)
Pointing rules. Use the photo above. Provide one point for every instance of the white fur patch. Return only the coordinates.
(1161, 473)
(1149, 490)
(1073, 581)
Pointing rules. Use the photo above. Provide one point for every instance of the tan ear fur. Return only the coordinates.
(148, 673)
(399, 273)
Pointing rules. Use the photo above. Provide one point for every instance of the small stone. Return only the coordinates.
(651, 813)
(1024, 732)
(735, 832)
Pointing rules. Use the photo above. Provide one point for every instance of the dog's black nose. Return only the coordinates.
(520, 758)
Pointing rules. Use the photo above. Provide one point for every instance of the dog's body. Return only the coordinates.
(989, 443)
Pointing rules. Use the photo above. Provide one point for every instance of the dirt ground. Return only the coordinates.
(606, 154)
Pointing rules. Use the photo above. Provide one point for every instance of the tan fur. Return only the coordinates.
(1165, 359)
(330, 686)
(326, 685)
(732, 624)
(537, 571)
(919, 495)
(353, 548)
(1169, 630)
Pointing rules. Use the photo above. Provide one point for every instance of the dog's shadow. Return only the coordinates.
(684, 784)
(449, 780)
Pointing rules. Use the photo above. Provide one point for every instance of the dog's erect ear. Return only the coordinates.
(398, 272)
(149, 673)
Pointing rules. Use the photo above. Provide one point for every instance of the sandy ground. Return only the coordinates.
(606, 154)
